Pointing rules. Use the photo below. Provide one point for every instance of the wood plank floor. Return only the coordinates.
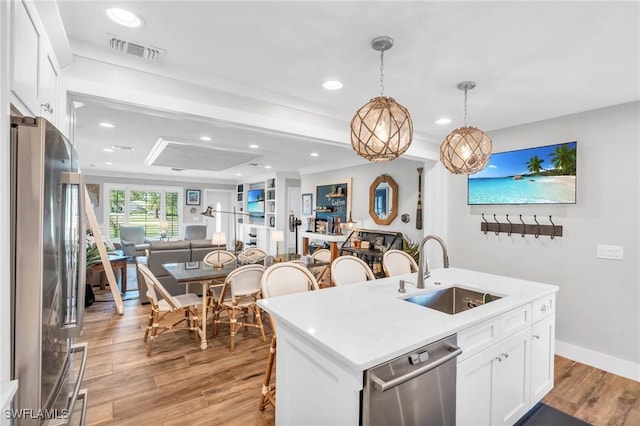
(182, 385)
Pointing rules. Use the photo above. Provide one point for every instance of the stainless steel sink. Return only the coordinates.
(452, 300)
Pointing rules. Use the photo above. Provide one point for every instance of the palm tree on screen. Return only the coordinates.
(534, 164)
(563, 159)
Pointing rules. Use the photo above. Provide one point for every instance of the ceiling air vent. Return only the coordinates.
(149, 53)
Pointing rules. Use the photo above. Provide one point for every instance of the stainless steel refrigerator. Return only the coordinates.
(48, 274)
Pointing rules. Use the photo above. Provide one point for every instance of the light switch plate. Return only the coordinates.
(610, 252)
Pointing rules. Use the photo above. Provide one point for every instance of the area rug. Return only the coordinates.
(543, 415)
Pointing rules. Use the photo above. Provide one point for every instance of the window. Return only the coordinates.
(144, 206)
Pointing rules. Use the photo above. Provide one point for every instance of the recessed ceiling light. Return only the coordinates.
(124, 17)
(205, 138)
(443, 121)
(314, 154)
(107, 125)
(238, 174)
(267, 167)
(332, 85)
(108, 163)
(253, 146)
(108, 150)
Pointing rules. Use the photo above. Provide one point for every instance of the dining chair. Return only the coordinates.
(240, 292)
(349, 270)
(322, 273)
(223, 257)
(163, 303)
(398, 262)
(279, 280)
(252, 255)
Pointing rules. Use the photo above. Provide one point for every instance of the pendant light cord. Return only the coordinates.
(465, 107)
(381, 72)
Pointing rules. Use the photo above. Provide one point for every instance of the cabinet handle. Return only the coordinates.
(505, 355)
(544, 308)
(536, 336)
(499, 358)
(47, 108)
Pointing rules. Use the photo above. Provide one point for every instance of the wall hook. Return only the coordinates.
(553, 228)
(486, 229)
(510, 226)
(498, 225)
(537, 234)
(523, 226)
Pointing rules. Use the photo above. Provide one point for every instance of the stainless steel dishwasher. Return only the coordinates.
(417, 389)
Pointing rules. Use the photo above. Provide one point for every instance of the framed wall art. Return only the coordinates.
(307, 204)
(193, 197)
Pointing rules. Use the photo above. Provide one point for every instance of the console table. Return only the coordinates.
(332, 239)
(117, 262)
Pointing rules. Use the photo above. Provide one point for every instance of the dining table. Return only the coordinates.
(199, 272)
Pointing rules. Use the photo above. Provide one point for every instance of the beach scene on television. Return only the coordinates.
(541, 175)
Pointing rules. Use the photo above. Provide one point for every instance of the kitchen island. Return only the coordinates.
(327, 339)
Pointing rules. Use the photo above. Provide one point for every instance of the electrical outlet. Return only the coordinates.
(610, 252)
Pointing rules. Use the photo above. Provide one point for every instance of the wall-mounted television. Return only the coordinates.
(255, 202)
(540, 175)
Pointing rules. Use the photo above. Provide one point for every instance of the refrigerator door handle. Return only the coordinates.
(74, 323)
(77, 392)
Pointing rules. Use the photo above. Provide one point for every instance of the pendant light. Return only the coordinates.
(467, 149)
(382, 129)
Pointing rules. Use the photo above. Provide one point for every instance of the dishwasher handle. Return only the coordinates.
(383, 386)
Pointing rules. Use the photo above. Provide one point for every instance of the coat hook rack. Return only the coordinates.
(536, 229)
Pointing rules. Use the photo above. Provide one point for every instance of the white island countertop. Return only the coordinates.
(362, 325)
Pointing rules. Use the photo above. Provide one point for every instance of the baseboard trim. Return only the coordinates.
(599, 360)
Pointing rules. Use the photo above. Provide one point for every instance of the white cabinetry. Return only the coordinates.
(34, 67)
(543, 337)
(494, 374)
(507, 365)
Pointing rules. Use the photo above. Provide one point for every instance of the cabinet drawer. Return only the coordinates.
(543, 307)
(515, 320)
(479, 337)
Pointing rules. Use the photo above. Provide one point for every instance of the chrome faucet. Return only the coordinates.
(423, 274)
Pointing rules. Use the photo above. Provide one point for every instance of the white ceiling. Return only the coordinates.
(531, 61)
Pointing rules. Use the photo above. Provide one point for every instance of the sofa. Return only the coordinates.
(161, 252)
(133, 241)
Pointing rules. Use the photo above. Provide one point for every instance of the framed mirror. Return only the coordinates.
(383, 200)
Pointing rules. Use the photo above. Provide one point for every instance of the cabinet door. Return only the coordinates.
(542, 361)
(48, 88)
(512, 379)
(25, 45)
(474, 389)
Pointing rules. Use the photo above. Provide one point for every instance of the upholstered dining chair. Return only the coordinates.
(322, 273)
(240, 292)
(398, 262)
(278, 280)
(349, 270)
(163, 303)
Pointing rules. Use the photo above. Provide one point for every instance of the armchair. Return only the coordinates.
(195, 232)
(133, 241)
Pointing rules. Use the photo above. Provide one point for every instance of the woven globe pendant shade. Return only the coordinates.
(381, 130)
(466, 150)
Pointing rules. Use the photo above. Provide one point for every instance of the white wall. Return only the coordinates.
(403, 171)
(598, 303)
